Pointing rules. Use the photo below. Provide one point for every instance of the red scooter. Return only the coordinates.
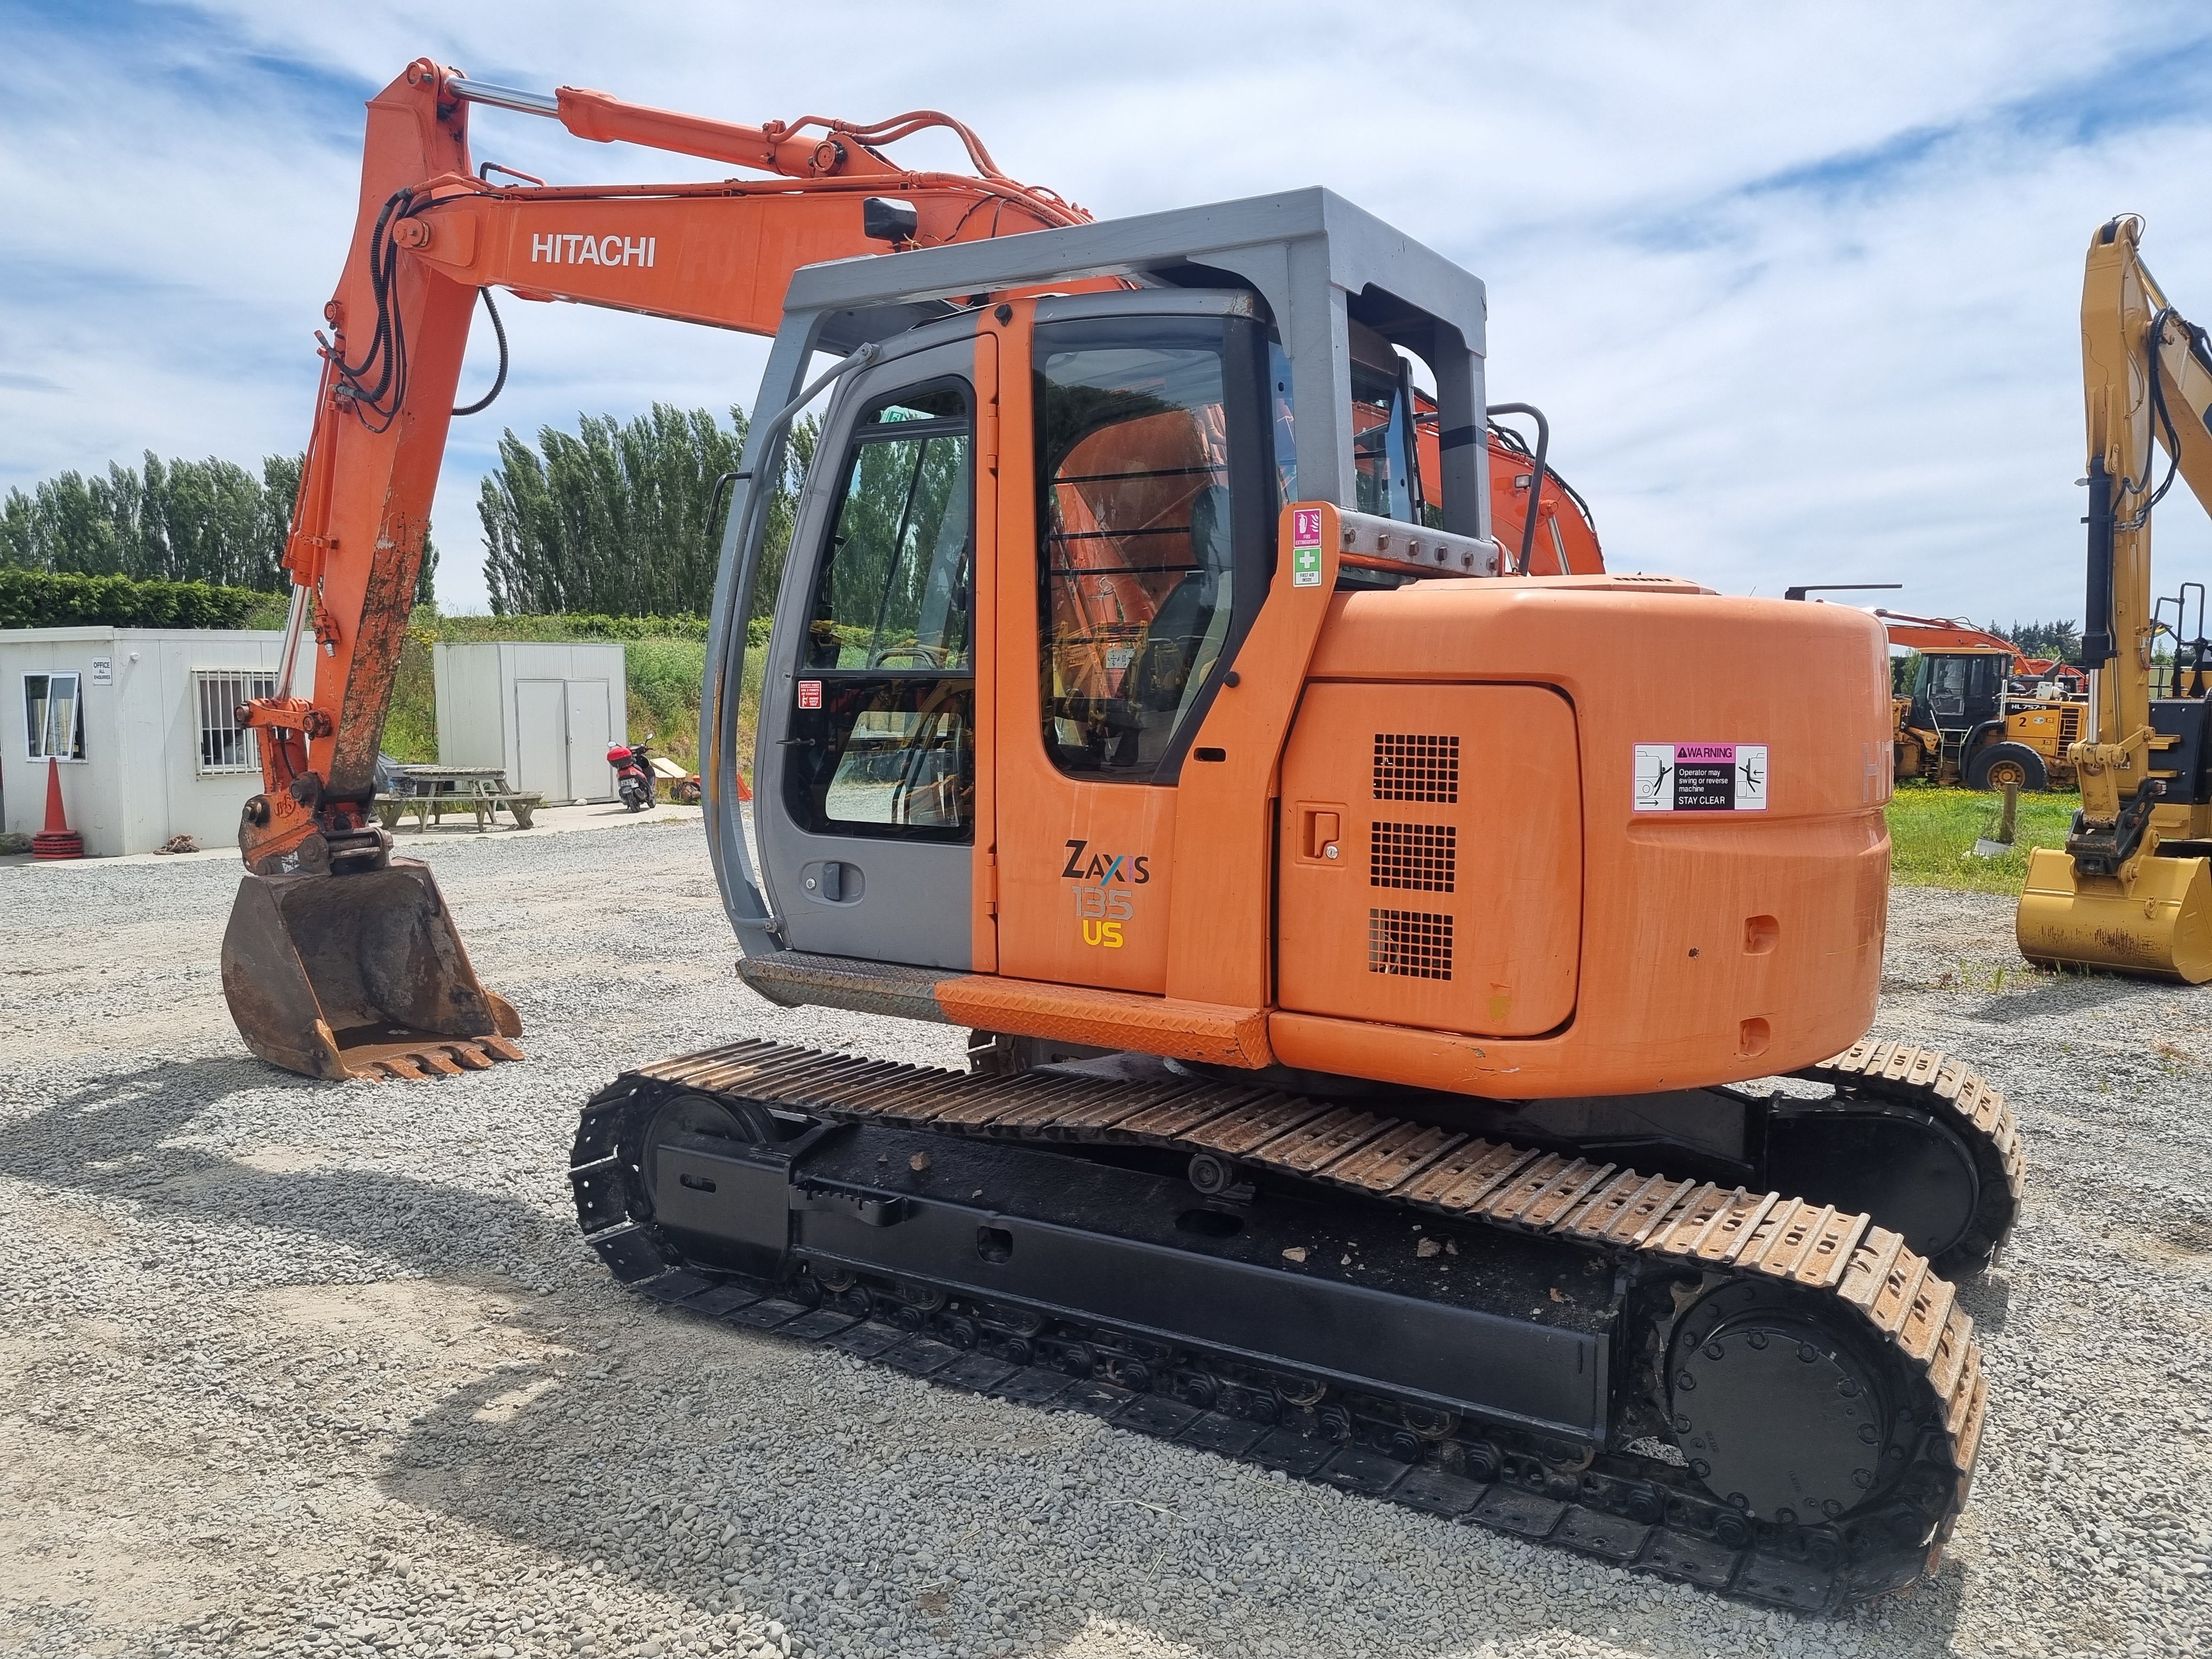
(634, 780)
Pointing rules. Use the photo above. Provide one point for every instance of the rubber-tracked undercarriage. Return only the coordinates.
(1751, 1392)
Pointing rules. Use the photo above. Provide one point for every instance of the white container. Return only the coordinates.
(543, 713)
(161, 755)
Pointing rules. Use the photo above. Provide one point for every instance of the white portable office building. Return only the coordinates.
(142, 721)
(543, 713)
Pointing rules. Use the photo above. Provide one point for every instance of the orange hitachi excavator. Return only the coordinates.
(1364, 939)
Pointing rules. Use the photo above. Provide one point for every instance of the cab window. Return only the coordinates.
(894, 590)
(1385, 464)
(882, 738)
(1144, 426)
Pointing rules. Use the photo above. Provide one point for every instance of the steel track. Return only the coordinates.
(1638, 1508)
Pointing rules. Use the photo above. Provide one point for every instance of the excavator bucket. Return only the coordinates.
(359, 975)
(2156, 920)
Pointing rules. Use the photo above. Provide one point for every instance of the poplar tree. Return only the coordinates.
(613, 519)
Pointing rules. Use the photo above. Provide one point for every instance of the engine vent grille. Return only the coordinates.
(1424, 857)
(1411, 766)
(1413, 944)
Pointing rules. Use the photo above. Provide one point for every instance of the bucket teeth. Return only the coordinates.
(448, 1058)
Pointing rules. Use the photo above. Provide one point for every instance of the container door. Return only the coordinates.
(588, 737)
(868, 812)
(1432, 857)
(541, 739)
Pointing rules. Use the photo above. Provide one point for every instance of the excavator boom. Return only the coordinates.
(2131, 892)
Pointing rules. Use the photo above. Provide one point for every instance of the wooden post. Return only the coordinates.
(2011, 812)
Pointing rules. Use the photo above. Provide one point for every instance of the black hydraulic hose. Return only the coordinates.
(497, 385)
(2153, 339)
(1536, 481)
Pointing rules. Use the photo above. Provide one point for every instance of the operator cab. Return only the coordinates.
(1957, 691)
(1038, 528)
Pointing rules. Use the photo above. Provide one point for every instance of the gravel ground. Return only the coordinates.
(291, 1368)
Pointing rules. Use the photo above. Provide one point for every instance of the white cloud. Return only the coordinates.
(1797, 286)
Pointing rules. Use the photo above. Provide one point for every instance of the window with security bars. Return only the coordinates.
(1410, 944)
(225, 745)
(1410, 766)
(1424, 857)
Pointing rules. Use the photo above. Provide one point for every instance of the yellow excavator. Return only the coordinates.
(2132, 890)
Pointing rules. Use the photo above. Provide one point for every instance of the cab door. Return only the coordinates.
(1137, 544)
(867, 808)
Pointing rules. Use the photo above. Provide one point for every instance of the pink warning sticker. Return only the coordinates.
(1700, 777)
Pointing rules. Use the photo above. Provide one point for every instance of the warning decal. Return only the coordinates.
(1305, 547)
(1700, 777)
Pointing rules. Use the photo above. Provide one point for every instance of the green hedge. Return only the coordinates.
(579, 626)
(42, 598)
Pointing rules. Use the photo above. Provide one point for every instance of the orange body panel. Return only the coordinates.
(1716, 946)
(1431, 857)
(1599, 948)
(1224, 863)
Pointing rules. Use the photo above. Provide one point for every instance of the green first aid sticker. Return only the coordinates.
(1305, 547)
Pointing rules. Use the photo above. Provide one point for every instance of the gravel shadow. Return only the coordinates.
(678, 1477)
(113, 1138)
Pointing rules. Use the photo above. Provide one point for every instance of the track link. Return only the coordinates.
(1632, 1501)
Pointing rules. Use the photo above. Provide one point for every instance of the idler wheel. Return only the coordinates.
(1913, 1174)
(1780, 1418)
(693, 1114)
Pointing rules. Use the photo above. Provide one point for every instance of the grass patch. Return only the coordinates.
(1932, 833)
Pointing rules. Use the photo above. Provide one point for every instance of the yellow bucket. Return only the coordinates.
(2158, 922)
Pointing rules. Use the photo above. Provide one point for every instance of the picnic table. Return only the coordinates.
(433, 791)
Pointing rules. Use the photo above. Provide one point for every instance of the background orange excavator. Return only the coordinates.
(1364, 939)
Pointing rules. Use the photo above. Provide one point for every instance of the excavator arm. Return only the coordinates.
(2147, 380)
(2132, 890)
(341, 960)
(430, 234)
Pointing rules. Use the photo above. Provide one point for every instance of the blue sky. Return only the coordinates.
(1798, 287)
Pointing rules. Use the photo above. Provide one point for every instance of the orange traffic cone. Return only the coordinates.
(56, 839)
